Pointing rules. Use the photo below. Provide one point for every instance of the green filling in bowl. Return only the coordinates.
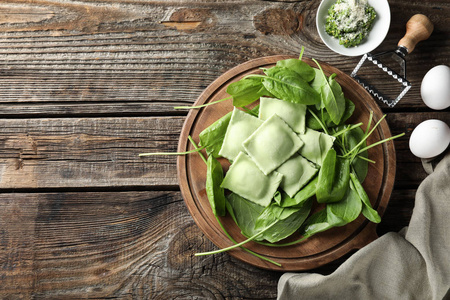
(350, 21)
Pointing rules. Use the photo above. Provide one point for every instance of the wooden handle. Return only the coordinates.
(418, 28)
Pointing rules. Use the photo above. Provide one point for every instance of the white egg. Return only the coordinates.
(435, 88)
(429, 139)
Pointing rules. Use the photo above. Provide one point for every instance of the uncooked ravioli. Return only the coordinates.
(241, 126)
(248, 181)
(272, 144)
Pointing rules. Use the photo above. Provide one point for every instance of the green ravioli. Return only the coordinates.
(272, 144)
(297, 171)
(316, 145)
(294, 114)
(241, 126)
(246, 179)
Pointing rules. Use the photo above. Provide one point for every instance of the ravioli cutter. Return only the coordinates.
(372, 67)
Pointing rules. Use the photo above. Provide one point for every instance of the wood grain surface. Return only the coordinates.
(87, 85)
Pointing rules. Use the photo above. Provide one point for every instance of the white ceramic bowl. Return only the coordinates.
(375, 37)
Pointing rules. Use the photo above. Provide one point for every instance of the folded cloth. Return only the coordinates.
(411, 264)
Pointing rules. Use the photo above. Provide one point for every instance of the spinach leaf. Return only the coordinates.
(349, 109)
(318, 81)
(254, 111)
(346, 210)
(316, 145)
(341, 179)
(246, 91)
(212, 137)
(305, 71)
(245, 213)
(316, 223)
(332, 97)
(326, 176)
(281, 198)
(271, 213)
(278, 197)
(359, 165)
(301, 197)
(236, 245)
(231, 212)
(334, 177)
(367, 210)
(216, 194)
(287, 85)
(312, 122)
(287, 221)
(230, 208)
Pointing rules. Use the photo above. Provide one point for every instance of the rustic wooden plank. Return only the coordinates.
(38, 153)
(17, 256)
(127, 245)
(118, 245)
(90, 109)
(88, 52)
(102, 152)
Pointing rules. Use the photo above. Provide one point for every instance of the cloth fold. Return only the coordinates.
(411, 264)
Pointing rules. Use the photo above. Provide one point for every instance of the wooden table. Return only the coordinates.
(87, 85)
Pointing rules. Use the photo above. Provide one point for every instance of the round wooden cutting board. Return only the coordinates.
(321, 248)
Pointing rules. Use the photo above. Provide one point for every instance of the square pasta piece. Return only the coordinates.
(297, 172)
(294, 114)
(241, 126)
(246, 179)
(272, 144)
(316, 145)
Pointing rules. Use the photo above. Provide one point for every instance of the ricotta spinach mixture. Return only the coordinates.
(350, 21)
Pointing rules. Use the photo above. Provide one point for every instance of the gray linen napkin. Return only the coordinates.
(411, 264)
